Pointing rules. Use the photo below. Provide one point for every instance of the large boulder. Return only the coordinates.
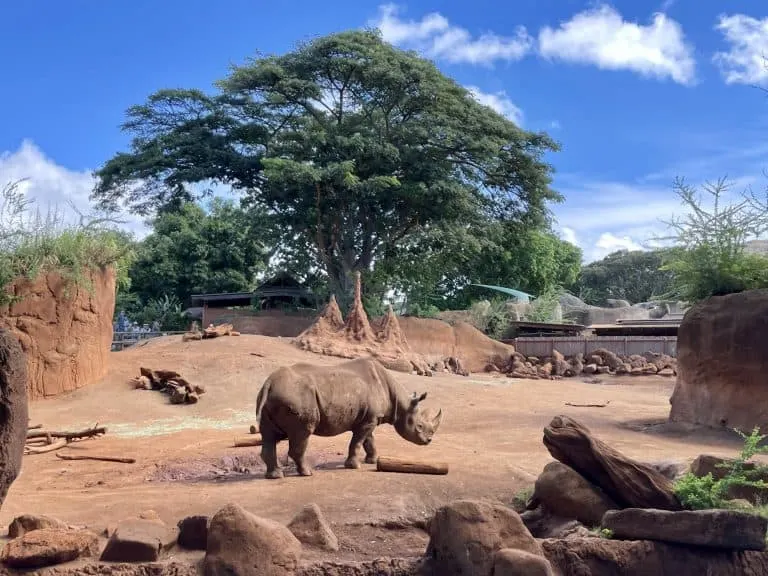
(465, 534)
(311, 528)
(728, 529)
(722, 364)
(242, 544)
(29, 522)
(46, 547)
(755, 494)
(65, 329)
(567, 494)
(629, 483)
(137, 540)
(13, 410)
(601, 557)
(510, 562)
(193, 532)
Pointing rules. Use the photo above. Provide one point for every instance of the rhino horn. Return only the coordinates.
(437, 419)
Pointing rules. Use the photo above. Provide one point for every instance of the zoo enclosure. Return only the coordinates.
(571, 345)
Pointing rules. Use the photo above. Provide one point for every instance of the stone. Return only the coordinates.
(605, 557)
(46, 547)
(541, 523)
(136, 540)
(510, 562)
(625, 481)
(243, 544)
(666, 372)
(193, 532)
(65, 329)
(590, 369)
(13, 410)
(311, 528)
(567, 494)
(29, 522)
(465, 534)
(721, 363)
(728, 529)
(709, 464)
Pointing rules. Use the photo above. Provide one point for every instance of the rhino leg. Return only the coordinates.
(358, 436)
(269, 455)
(297, 448)
(369, 445)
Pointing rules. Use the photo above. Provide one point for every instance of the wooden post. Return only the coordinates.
(384, 464)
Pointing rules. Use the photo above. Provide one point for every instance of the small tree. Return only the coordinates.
(709, 257)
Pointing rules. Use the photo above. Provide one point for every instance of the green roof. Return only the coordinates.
(523, 296)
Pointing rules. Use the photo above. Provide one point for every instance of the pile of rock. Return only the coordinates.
(168, 382)
(601, 361)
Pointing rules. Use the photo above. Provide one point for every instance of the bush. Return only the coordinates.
(32, 244)
(703, 493)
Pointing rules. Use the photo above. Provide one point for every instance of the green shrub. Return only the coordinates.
(704, 493)
(32, 244)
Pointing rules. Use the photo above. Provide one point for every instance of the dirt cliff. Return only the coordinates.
(64, 328)
(721, 363)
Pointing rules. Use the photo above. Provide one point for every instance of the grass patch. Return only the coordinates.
(33, 243)
(521, 497)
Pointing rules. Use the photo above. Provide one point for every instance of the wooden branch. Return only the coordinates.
(69, 436)
(384, 464)
(100, 458)
(34, 427)
(588, 405)
(252, 440)
(43, 449)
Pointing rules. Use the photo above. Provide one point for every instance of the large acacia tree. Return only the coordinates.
(349, 146)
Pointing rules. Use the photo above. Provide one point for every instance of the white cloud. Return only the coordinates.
(745, 61)
(569, 235)
(608, 242)
(437, 38)
(51, 186)
(500, 102)
(600, 36)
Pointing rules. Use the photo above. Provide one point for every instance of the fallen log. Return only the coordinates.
(46, 448)
(603, 405)
(34, 427)
(69, 436)
(100, 458)
(252, 440)
(384, 464)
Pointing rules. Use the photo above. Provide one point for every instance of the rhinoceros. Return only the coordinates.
(298, 401)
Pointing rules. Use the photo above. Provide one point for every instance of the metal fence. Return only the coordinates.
(571, 345)
(122, 340)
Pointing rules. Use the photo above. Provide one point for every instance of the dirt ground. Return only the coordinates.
(490, 436)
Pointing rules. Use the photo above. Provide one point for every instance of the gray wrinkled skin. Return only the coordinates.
(298, 401)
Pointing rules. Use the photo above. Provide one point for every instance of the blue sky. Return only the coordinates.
(636, 92)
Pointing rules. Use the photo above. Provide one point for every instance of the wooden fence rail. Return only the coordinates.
(571, 345)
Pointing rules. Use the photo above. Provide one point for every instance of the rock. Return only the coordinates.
(721, 367)
(137, 540)
(509, 562)
(590, 368)
(566, 494)
(625, 481)
(46, 547)
(29, 522)
(609, 358)
(64, 329)
(311, 528)
(193, 532)
(728, 529)
(601, 557)
(13, 410)
(670, 469)
(541, 523)
(246, 545)
(666, 372)
(603, 369)
(465, 534)
(559, 364)
(377, 567)
(708, 464)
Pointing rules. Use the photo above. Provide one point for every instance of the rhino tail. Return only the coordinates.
(261, 399)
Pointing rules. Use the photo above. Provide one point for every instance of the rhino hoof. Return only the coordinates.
(305, 471)
(352, 464)
(371, 459)
(274, 475)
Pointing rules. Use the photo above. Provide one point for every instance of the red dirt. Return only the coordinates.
(491, 437)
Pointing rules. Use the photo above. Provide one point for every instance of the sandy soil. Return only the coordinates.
(490, 436)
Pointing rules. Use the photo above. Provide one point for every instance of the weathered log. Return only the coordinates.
(100, 458)
(47, 448)
(629, 483)
(252, 440)
(384, 464)
(88, 433)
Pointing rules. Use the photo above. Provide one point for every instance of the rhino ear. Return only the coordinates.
(415, 399)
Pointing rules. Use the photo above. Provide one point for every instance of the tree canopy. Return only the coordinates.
(197, 251)
(634, 275)
(351, 149)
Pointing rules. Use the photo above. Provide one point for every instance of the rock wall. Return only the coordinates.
(13, 410)
(64, 329)
(722, 363)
